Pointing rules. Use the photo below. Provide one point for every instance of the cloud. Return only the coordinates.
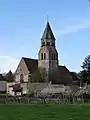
(73, 28)
(8, 63)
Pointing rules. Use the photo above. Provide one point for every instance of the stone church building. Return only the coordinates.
(47, 59)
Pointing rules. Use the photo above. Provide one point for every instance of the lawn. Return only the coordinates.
(44, 112)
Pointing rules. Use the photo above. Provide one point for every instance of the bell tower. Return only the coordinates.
(48, 55)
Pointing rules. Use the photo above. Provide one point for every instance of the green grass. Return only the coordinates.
(44, 112)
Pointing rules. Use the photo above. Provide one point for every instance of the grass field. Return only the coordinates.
(44, 112)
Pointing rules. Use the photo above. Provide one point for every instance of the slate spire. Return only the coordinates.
(48, 34)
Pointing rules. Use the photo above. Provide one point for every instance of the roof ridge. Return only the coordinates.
(31, 64)
(29, 58)
(61, 66)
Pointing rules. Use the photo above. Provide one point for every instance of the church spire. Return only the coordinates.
(48, 34)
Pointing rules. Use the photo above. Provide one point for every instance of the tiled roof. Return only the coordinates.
(63, 75)
(63, 70)
(32, 64)
(75, 76)
(48, 34)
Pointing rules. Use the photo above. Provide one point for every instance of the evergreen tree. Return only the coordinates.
(85, 73)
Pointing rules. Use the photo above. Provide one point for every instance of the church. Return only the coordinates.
(47, 59)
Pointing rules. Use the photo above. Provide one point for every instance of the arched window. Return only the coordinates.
(21, 78)
(44, 56)
(41, 56)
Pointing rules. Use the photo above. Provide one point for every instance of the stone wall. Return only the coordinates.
(21, 69)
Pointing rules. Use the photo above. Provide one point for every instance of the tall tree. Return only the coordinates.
(85, 73)
(86, 64)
